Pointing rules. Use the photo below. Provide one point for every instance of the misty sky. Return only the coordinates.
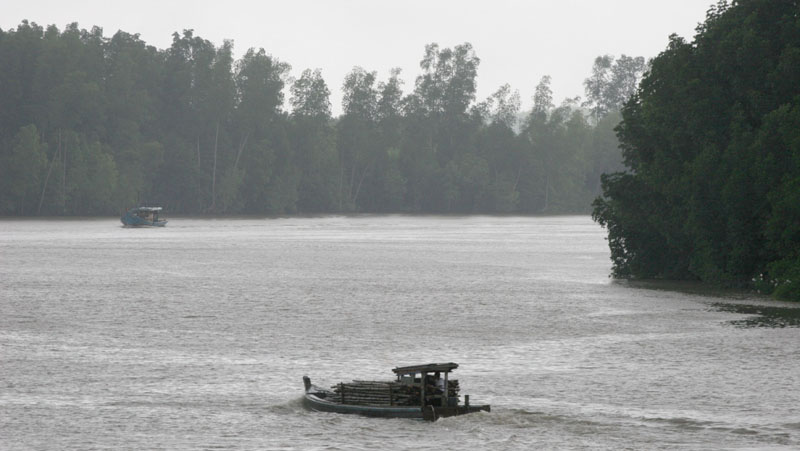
(517, 41)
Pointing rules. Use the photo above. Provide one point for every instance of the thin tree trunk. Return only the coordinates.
(241, 149)
(64, 183)
(546, 192)
(198, 150)
(341, 183)
(214, 172)
(351, 184)
(361, 181)
(52, 163)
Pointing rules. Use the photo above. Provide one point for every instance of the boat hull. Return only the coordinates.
(315, 403)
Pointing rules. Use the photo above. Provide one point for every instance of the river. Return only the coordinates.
(197, 335)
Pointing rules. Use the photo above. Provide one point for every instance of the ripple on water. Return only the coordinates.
(197, 335)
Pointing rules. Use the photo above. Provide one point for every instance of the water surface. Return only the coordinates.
(197, 336)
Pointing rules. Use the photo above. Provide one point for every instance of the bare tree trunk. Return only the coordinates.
(352, 183)
(361, 181)
(341, 183)
(64, 183)
(52, 163)
(198, 150)
(241, 149)
(546, 192)
(214, 172)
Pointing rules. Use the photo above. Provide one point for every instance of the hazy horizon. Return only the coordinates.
(518, 42)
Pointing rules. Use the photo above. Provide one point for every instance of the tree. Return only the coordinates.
(193, 129)
(259, 83)
(21, 172)
(438, 124)
(188, 119)
(612, 83)
(313, 143)
(625, 76)
(221, 95)
(597, 86)
(543, 97)
(311, 96)
(709, 143)
(497, 144)
(92, 179)
(358, 142)
(502, 107)
(20, 50)
(386, 188)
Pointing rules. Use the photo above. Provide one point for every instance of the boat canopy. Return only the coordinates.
(147, 209)
(428, 368)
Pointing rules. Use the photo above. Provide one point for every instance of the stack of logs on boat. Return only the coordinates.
(384, 393)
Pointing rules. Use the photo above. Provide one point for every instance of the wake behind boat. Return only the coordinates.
(419, 392)
(143, 217)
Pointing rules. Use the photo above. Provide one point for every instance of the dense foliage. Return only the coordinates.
(711, 142)
(91, 125)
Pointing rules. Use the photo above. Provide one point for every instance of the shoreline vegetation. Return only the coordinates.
(92, 125)
(711, 145)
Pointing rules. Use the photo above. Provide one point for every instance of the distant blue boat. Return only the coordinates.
(143, 217)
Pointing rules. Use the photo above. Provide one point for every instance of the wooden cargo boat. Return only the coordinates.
(422, 392)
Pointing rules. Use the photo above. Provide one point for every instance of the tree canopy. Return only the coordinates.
(711, 145)
(90, 125)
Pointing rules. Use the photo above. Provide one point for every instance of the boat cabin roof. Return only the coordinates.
(147, 209)
(427, 368)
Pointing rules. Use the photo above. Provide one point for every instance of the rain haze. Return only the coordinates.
(224, 225)
(518, 42)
